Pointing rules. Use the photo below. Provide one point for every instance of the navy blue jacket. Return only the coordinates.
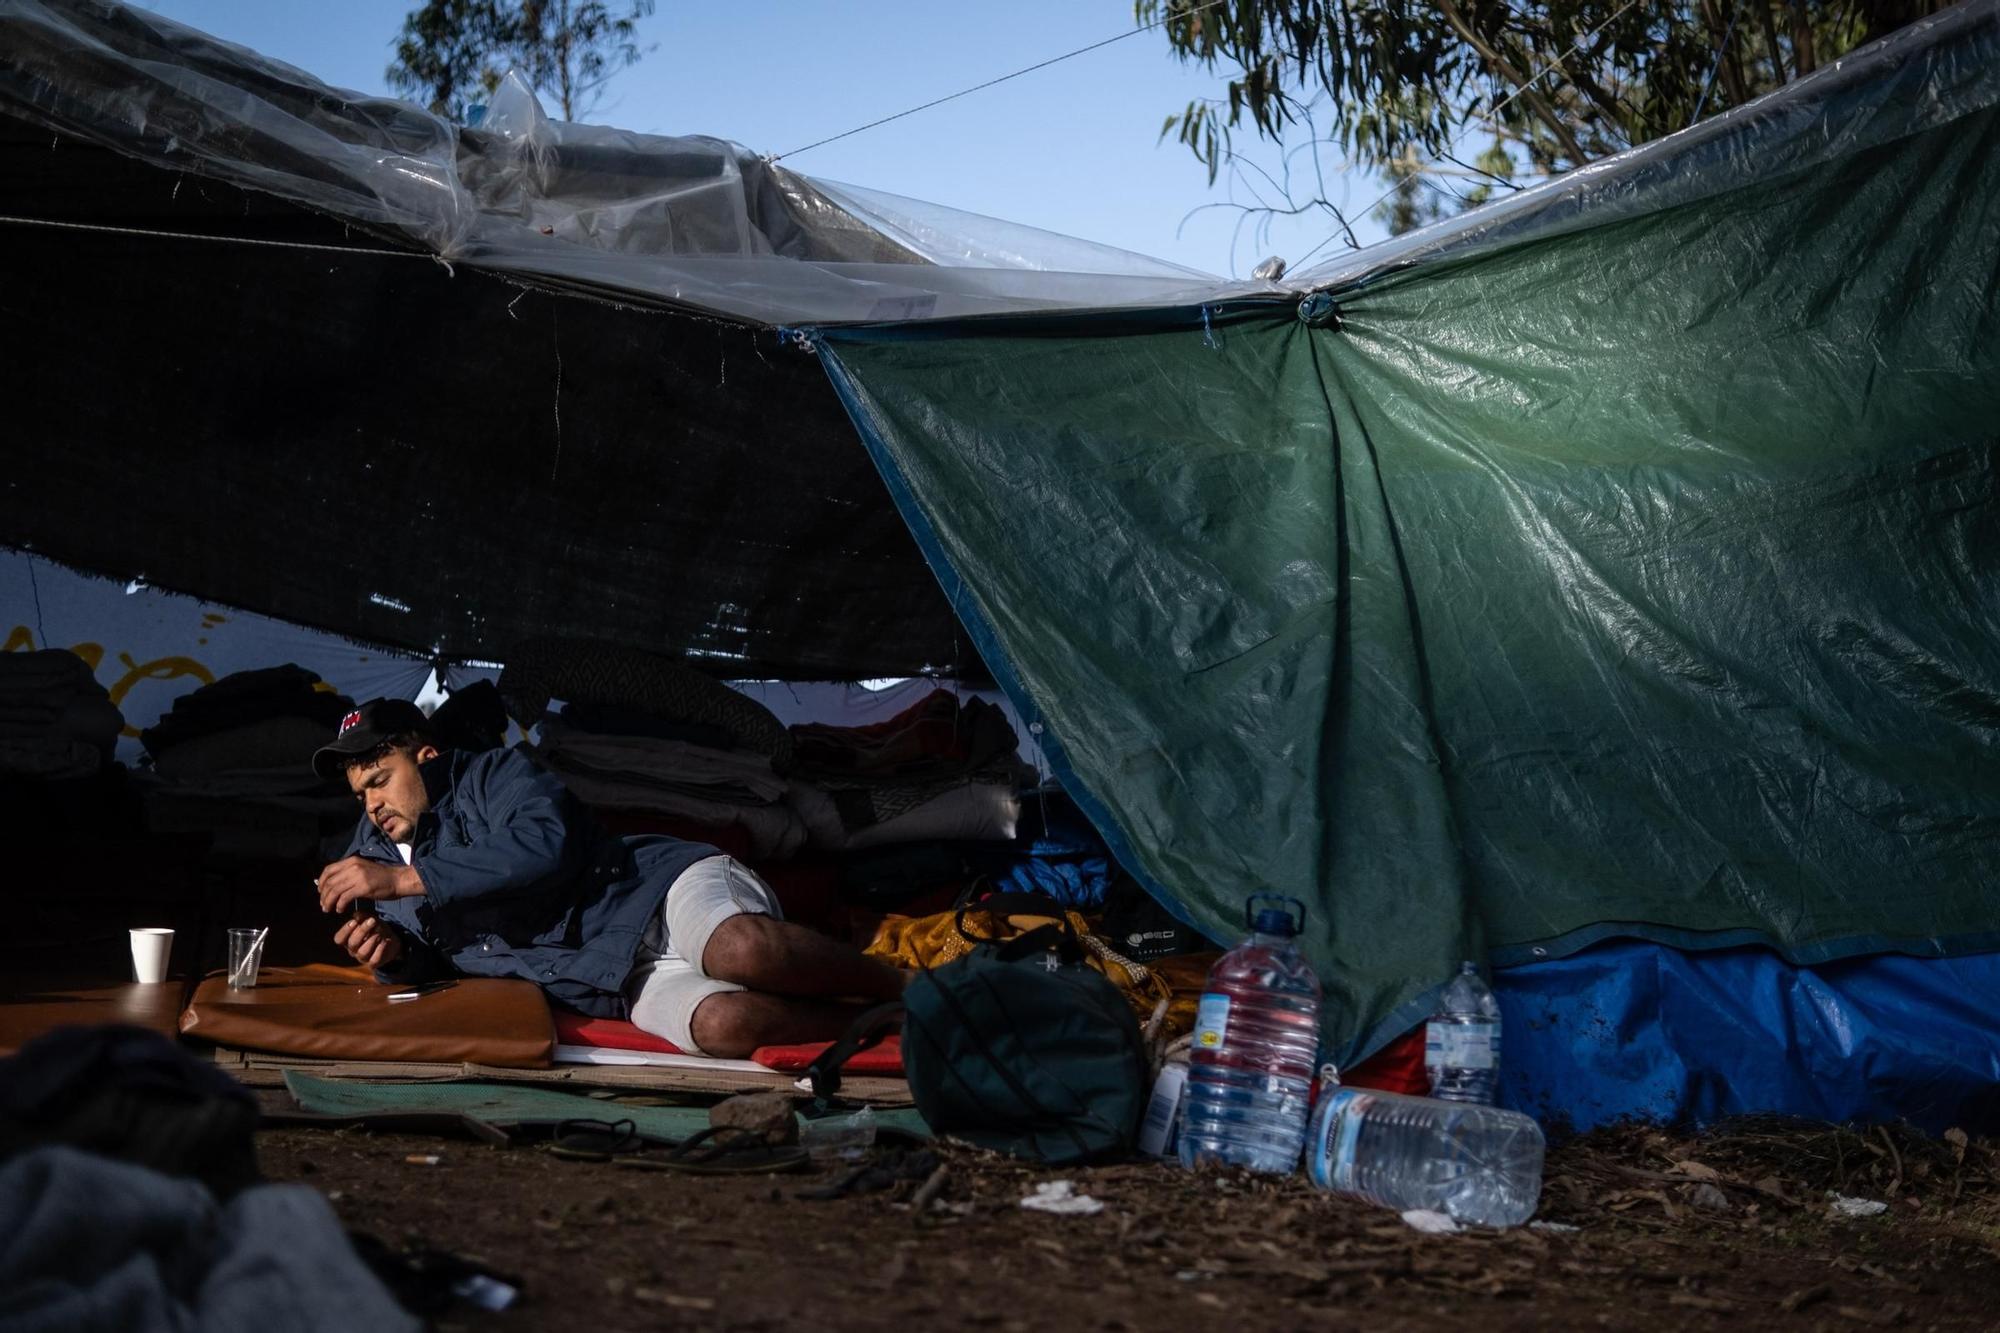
(520, 882)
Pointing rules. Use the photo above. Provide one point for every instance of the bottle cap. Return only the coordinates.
(1272, 921)
(1273, 918)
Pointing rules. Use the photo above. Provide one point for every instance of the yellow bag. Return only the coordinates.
(932, 941)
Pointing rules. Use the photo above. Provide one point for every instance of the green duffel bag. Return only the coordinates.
(1021, 1046)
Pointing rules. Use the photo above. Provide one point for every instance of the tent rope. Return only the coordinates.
(1485, 118)
(568, 293)
(1030, 69)
(64, 225)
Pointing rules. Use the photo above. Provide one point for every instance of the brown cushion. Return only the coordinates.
(33, 1006)
(341, 1013)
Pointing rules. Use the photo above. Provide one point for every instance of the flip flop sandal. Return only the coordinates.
(595, 1140)
(721, 1151)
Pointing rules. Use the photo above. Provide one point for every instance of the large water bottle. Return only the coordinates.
(1256, 1041)
(1478, 1164)
(1462, 1041)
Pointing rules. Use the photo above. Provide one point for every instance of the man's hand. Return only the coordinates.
(369, 940)
(341, 883)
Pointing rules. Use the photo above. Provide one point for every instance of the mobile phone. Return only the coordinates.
(414, 992)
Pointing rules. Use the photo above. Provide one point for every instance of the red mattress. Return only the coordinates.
(1397, 1067)
(618, 1035)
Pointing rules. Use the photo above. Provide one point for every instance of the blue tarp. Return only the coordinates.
(1632, 1030)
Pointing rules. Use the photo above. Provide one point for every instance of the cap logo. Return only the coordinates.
(348, 723)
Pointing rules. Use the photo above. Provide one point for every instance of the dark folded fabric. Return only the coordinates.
(473, 718)
(51, 704)
(611, 720)
(936, 738)
(592, 671)
(243, 698)
(49, 675)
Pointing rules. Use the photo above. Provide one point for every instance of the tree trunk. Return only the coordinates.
(1771, 43)
(1804, 61)
(562, 59)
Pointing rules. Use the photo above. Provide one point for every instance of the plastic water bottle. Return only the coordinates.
(1256, 1043)
(1478, 1164)
(1462, 1041)
(1160, 1129)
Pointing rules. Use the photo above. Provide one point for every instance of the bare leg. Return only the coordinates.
(782, 959)
(735, 1023)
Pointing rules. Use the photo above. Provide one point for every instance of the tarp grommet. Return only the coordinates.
(1320, 310)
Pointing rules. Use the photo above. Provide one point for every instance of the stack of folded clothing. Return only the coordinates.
(705, 784)
(56, 721)
(472, 719)
(250, 711)
(643, 734)
(235, 759)
(941, 770)
(623, 683)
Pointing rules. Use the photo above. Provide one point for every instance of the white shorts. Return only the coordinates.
(667, 983)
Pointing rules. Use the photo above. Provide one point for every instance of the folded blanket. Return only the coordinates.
(743, 776)
(283, 744)
(775, 830)
(50, 674)
(593, 672)
(938, 737)
(50, 759)
(610, 720)
(56, 721)
(970, 812)
(243, 698)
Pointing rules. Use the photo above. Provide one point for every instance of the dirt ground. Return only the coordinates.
(1670, 1232)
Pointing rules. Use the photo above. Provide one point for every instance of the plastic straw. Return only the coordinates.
(251, 957)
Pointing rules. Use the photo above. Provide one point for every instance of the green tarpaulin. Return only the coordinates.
(1632, 580)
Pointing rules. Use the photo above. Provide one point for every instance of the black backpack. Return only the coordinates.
(1019, 1046)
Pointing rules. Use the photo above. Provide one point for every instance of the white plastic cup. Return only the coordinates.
(150, 947)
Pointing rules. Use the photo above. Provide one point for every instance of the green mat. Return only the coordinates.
(517, 1104)
(494, 1103)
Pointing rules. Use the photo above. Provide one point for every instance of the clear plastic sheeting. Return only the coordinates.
(694, 222)
(956, 239)
(707, 224)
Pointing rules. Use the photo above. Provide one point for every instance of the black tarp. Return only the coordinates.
(375, 445)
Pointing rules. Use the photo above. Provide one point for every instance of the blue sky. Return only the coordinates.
(1074, 148)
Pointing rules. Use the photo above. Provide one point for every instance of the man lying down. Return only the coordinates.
(484, 865)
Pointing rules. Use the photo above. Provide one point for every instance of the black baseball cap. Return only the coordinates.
(367, 727)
